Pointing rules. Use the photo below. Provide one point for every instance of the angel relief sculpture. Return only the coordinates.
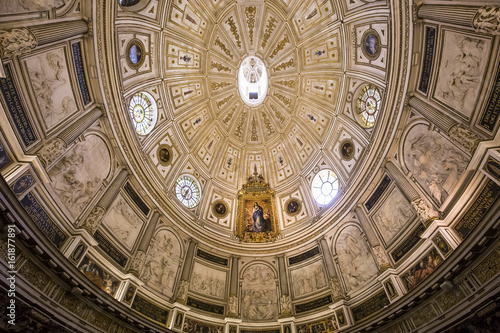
(256, 221)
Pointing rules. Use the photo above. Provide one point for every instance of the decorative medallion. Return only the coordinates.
(135, 53)
(370, 44)
(293, 206)
(347, 149)
(442, 245)
(129, 295)
(164, 154)
(220, 209)
(256, 222)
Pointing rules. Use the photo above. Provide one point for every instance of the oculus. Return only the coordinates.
(135, 53)
(368, 105)
(252, 81)
(143, 112)
(325, 186)
(293, 206)
(220, 209)
(188, 191)
(128, 3)
(371, 44)
(347, 149)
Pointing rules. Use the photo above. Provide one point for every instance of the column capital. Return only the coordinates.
(487, 20)
(15, 42)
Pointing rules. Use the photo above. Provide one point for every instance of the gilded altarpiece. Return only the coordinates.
(257, 222)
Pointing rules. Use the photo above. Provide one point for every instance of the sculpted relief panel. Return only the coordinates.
(22, 6)
(462, 67)
(436, 164)
(394, 213)
(208, 281)
(258, 294)
(76, 178)
(123, 222)
(162, 262)
(308, 279)
(52, 87)
(356, 262)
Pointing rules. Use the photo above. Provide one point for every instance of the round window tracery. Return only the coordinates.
(368, 105)
(128, 3)
(325, 186)
(143, 112)
(252, 81)
(188, 191)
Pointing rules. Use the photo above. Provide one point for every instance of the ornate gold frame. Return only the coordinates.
(256, 189)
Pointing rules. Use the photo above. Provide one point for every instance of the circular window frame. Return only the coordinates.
(138, 43)
(363, 44)
(243, 82)
(357, 105)
(335, 181)
(134, 8)
(195, 182)
(154, 108)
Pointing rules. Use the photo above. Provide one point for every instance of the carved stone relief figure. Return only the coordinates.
(21, 6)
(308, 279)
(162, 262)
(76, 177)
(436, 164)
(51, 84)
(394, 213)
(16, 42)
(124, 223)
(355, 261)
(259, 299)
(208, 281)
(462, 68)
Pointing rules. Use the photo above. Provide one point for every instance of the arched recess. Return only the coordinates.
(435, 163)
(163, 262)
(132, 5)
(355, 259)
(76, 178)
(259, 292)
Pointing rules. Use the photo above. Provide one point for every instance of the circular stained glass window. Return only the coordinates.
(368, 106)
(325, 186)
(252, 81)
(128, 3)
(187, 190)
(143, 112)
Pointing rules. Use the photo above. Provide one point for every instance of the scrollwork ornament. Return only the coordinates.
(183, 291)
(464, 137)
(487, 20)
(233, 306)
(51, 151)
(335, 288)
(93, 220)
(425, 211)
(16, 42)
(285, 306)
(137, 263)
(381, 257)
